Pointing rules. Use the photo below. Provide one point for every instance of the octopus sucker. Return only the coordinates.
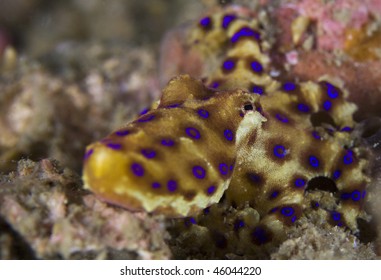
(240, 155)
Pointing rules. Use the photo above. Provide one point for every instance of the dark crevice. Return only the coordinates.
(368, 133)
(223, 198)
(370, 127)
(321, 183)
(219, 239)
(20, 249)
(320, 118)
(367, 231)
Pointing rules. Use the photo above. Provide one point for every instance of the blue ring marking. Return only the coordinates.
(231, 167)
(261, 235)
(167, 142)
(148, 153)
(289, 86)
(336, 216)
(214, 85)
(280, 151)
(156, 185)
(274, 210)
(316, 135)
(206, 22)
(229, 135)
(206, 210)
(193, 133)
(299, 183)
(293, 219)
(327, 105)
(228, 64)
(176, 105)
(211, 189)
(287, 211)
(137, 169)
(274, 194)
(314, 161)
(88, 154)
(254, 178)
(281, 118)
(346, 129)
(227, 20)
(348, 157)
(363, 194)
(316, 204)
(199, 172)
(345, 196)
(189, 221)
(172, 185)
(356, 195)
(203, 113)
(256, 66)
(331, 91)
(114, 146)
(258, 90)
(224, 169)
(336, 174)
(303, 108)
(122, 132)
(239, 224)
(146, 118)
(245, 32)
(144, 111)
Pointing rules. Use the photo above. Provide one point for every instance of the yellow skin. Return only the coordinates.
(190, 170)
(250, 147)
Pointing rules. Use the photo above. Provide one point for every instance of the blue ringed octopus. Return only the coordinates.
(240, 155)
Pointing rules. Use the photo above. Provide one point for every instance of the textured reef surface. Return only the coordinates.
(240, 154)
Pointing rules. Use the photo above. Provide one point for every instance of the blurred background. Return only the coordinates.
(37, 26)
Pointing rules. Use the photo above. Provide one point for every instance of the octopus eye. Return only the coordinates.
(248, 107)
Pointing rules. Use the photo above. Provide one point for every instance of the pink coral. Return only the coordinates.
(335, 18)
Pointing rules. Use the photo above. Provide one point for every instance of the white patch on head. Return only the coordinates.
(251, 121)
